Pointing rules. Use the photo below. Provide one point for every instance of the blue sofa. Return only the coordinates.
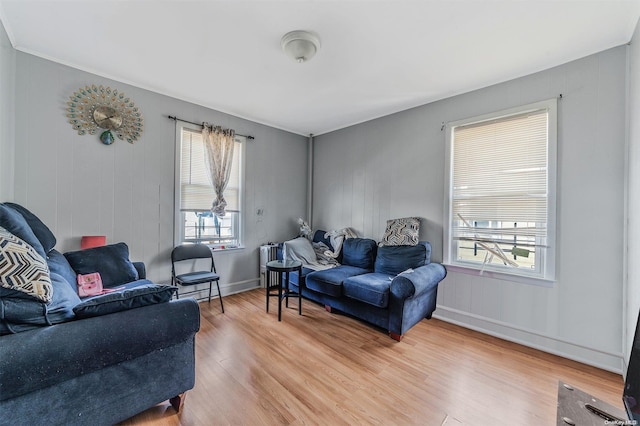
(392, 287)
(97, 360)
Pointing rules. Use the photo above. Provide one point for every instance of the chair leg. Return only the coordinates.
(220, 296)
(210, 283)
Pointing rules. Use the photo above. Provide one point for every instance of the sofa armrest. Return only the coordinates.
(419, 281)
(413, 297)
(47, 356)
(142, 270)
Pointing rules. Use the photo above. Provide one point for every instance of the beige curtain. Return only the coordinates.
(219, 145)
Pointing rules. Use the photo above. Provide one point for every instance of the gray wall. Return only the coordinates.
(7, 99)
(394, 167)
(633, 235)
(78, 186)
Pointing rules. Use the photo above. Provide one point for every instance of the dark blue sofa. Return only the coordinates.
(99, 360)
(392, 287)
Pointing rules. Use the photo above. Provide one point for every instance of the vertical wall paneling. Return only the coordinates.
(78, 186)
(394, 167)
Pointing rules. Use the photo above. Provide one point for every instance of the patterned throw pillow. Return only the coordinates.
(401, 232)
(22, 268)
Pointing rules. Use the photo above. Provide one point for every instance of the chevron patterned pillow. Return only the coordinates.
(22, 268)
(401, 232)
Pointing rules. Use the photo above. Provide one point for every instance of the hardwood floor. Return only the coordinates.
(330, 369)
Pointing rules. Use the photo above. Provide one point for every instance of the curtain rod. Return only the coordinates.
(201, 125)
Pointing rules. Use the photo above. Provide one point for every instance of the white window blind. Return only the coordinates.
(501, 192)
(196, 189)
(501, 173)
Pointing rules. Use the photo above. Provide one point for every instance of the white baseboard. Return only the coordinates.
(610, 361)
(240, 286)
(226, 289)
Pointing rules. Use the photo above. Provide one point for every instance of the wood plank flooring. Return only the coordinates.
(330, 369)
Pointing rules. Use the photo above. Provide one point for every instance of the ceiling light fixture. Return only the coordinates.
(301, 46)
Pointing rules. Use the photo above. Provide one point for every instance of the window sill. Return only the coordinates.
(226, 249)
(500, 275)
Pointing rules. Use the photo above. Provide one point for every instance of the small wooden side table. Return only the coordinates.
(282, 286)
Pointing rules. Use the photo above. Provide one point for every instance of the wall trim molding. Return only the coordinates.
(479, 323)
(228, 289)
(239, 286)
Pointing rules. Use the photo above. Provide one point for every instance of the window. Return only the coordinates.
(501, 192)
(195, 194)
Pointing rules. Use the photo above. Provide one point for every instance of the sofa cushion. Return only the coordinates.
(329, 281)
(18, 308)
(22, 268)
(58, 264)
(15, 223)
(65, 298)
(142, 295)
(300, 249)
(359, 252)
(372, 288)
(7, 327)
(394, 259)
(401, 232)
(40, 230)
(111, 261)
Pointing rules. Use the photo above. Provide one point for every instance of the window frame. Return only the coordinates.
(547, 256)
(179, 237)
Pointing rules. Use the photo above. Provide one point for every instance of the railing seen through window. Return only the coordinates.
(206, 227)
(517, 246)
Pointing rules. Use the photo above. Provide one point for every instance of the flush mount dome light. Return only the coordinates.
(300, 45)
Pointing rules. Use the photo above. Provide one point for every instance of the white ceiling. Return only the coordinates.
(377, 57)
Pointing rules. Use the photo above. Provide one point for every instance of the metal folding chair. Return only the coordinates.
(189, 252)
